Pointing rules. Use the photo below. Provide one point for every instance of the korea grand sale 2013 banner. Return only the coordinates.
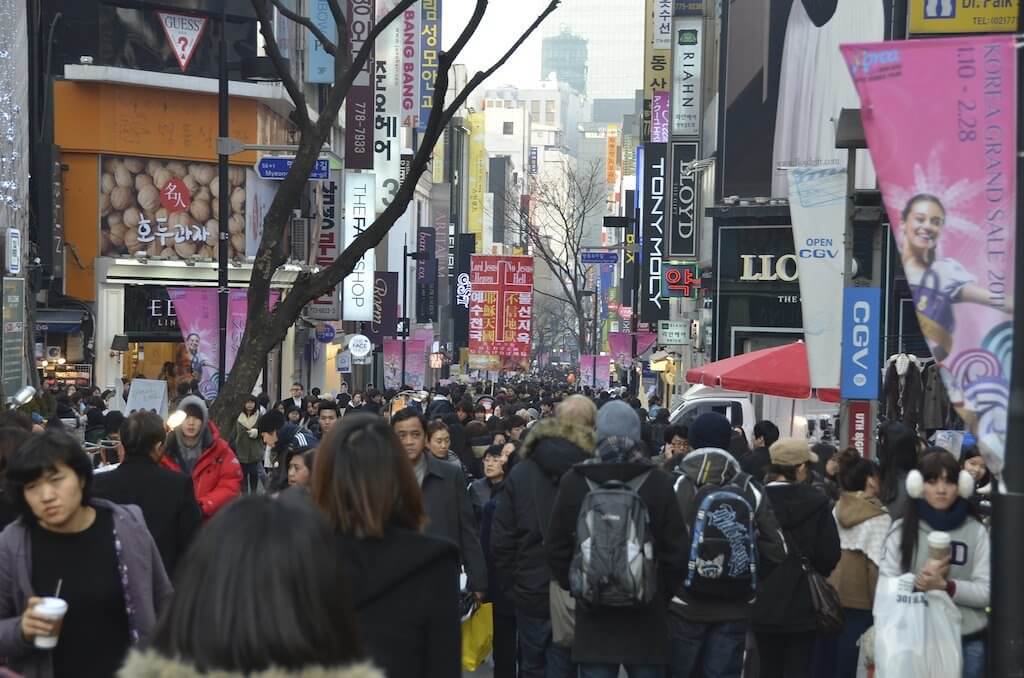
(947, 171)
(501, 306)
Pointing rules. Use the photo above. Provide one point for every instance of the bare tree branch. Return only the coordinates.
(280, 64)
(321, 37)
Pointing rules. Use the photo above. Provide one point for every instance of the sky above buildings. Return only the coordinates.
(613, 28)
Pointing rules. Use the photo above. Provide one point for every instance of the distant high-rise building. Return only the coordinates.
(614, 35)
(565, 55)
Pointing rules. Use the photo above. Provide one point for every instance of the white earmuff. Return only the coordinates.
(965, 484)
(915, 484)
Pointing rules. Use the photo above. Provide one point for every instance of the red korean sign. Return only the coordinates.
(501, 306)
(860, 427)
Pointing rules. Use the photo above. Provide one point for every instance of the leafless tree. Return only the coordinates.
(265, 328)
(555, 223)
(554, 325)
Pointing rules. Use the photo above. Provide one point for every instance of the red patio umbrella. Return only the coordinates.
(778, 371)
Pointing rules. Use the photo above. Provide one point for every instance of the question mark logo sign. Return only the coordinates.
(183, 41)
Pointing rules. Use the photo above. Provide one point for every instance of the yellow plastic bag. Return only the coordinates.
(477, 637)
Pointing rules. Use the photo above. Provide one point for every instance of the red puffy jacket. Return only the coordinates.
(217, 475)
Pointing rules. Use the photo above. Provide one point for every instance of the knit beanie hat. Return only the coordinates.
(616, 418)
(710, 429)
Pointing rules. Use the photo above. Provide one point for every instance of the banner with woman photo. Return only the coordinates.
(940, 121)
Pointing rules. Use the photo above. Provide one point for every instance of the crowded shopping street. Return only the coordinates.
(510, 339)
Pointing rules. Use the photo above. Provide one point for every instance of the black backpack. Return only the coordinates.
(722, 562)
(614, 565)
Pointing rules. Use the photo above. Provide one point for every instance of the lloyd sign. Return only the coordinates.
(682, 241)
(861, 343)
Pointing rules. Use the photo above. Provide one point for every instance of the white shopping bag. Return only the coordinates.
(917, 635)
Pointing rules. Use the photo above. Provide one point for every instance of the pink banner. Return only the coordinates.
(197, 309)
(197, 318)
(621, 344)
(660, 117)
(940, 121)
(415, 363)
(587, 371)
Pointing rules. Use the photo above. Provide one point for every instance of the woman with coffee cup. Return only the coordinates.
(95, 560)
(942, 540)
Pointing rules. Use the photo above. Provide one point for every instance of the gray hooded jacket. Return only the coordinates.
(711, 465)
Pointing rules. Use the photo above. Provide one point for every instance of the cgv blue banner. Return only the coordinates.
(862, 342)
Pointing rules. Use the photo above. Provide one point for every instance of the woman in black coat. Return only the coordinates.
(784, 617)
(405, 584)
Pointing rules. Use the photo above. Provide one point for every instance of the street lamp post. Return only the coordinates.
(406, 254)
(224, 205)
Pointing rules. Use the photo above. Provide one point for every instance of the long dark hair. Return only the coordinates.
(897, 456)
(854, 471)
(261, 586)
(934, 465)
(363, 480)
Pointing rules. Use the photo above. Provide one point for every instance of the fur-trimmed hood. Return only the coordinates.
(149, 664)
(553, 427)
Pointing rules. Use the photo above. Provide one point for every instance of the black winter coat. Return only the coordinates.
(166, 498)
(805, 517)
(622, 635)
(524, 509)
(756, 463)
(450, 516)
(405, 588)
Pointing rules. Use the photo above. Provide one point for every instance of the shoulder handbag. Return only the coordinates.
(824, 598)
(562, 605)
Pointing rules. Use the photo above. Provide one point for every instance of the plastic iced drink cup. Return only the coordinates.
(938, 545)
(55, 609)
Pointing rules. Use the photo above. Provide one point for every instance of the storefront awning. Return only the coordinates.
(59, 320)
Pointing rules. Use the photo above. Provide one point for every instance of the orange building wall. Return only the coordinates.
(91, 119)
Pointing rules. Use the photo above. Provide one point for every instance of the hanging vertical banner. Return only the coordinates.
(501, 306)
(611, 154)
(684, 236)
(385, 307)
(657, 51)
(387, 108)
(462, 287)
(430, 51)
(660, 117)
(817, 203)
(628, 258)
(415, 363)
(359, 102)
(426, 275)
(197, 310)
(477, 178)
(654, 215)
(238, 313)
(411, 66)
(861, 343)
(357, 288)
(686, 76)
(587, 371)
(948, 177)
(328, 247)
(320, 64)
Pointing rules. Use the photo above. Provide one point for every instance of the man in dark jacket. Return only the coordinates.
(634, 637)
(784, 616)
(756, 463)
(283, 438)
(521, 519)
(445, 499)
(711, 630)
(166, 498)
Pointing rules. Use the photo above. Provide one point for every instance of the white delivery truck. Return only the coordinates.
(796, 418)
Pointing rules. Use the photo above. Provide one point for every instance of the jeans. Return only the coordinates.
(632, 670)
(855, 623)
(251, 477)
(538, 656)
(718, 648)
(974, 658)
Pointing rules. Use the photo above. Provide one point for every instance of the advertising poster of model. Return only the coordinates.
(948, 177)
(785, 85)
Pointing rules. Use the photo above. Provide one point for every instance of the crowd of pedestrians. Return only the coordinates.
(347, 536)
